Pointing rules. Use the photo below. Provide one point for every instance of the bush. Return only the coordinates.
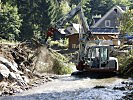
(60, 65)
(126, 65)
(49, 61)
(59, 44)
(61, 68)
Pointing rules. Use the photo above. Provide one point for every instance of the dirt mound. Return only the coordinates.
(15, 66)
(19, 64)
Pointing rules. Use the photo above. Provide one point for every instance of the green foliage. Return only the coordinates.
(60, 43)
(121, 2)
(131, 4)
(39, 15)
(10, 22)
(128, 67)
(59, 56)
(126, 64)
(60, 65)
(35, 18)
(126, 22)
(61, 68)
(54, 11)
(65, 8)
(96, 7)
(100, 7)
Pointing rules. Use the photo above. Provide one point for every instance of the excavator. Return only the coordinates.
(94, 55)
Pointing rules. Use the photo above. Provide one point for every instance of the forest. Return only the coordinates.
(22, 20)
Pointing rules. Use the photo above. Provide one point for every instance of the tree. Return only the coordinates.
(131, 4)
(10, 22)
(126, 22)
(54, 11)
(74, 2)
(96, 7)
(121, 2)
(37, 17)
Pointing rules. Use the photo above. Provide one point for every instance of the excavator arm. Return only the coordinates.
(66, 18)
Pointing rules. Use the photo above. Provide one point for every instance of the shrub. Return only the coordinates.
(59, 44)
(126, 65)
(60, 67)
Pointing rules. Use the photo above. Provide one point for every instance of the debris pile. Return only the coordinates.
(15, 69)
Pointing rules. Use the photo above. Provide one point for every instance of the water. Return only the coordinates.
(74, 88)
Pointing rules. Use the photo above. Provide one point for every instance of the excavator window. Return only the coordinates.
(104, 54)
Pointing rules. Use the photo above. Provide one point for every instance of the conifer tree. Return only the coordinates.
(10, 21)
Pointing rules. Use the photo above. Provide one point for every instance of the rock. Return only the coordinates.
(36, 82)
(5, 93)
(4, 73)
(27, 70)
(119, 88)
(8, 64)
(12, 76)
(20, 80)
(129, 87)
(25, 78)
(1, 77)
(54, 77)
(11, 93)
(3, 67)
(17, 90)
(131, 83)
(97, 87)
(3, 84)
(49, 79)
(19, 72)
(129, 96)
(124, 82)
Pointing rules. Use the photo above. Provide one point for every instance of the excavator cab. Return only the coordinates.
(96, 58)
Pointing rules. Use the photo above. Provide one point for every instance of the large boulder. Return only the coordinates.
(4, 72)
(3, 67)
(12, 66)
(12, 76)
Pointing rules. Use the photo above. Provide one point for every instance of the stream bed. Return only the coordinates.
(67, 87)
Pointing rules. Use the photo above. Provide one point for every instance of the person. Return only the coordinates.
(95, 63)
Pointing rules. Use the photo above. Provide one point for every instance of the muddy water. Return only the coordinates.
(74, 88)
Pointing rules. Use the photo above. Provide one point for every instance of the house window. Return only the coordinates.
(107, 23)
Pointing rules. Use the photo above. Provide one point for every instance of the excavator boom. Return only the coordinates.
(66, 18)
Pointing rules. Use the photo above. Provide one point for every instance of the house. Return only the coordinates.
(104, 28)
(73, 36)
(107, 27)
(57, 34)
